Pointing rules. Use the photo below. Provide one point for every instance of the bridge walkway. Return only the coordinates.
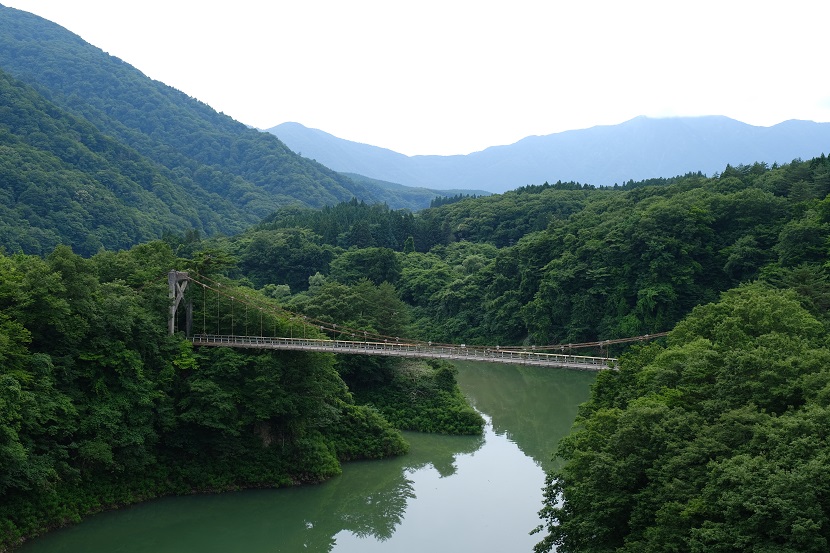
(398, 349)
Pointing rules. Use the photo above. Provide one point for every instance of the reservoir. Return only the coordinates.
(470, 493)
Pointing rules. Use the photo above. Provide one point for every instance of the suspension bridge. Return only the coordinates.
(229, 318)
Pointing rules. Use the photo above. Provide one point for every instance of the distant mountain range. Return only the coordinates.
(638, 149)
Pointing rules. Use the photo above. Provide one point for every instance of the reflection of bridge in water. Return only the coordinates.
(231, 316)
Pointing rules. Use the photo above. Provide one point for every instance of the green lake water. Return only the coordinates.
(478, 494)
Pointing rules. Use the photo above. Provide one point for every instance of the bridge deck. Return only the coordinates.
(471, 353)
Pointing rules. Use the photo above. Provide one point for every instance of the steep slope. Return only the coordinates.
(62, 181)
(637, 149)
(216, 161)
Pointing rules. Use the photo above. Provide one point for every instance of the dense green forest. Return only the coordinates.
(64, 182)
(716, 441)
(100, 407)
(555, 264)
(713, 441)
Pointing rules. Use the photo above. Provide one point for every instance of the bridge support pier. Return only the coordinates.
(177, 281)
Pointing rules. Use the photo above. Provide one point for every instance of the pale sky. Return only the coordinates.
(456, 76)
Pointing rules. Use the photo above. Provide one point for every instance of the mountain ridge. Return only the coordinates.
(603, 155)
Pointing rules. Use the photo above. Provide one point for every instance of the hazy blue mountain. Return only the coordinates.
(604, 155)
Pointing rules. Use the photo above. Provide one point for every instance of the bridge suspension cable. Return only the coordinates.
(596, 344)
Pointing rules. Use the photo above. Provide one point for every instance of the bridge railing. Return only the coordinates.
(401, 349)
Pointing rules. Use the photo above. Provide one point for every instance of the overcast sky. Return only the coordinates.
(453, 76)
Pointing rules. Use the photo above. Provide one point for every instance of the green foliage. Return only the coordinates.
(363, 433)
(446, 200)
(565, 263)
(612, 263)
(361, 306)
(716, 442)
(283, 256)
(349, 224)
(86, 357)
(63, 181)
(377, 264)
(448, 287)
(363, 311)
(99, 407)
(424, 396)
(500, 220)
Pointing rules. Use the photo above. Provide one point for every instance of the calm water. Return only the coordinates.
(449, 493)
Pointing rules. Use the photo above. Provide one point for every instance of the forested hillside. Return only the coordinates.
(561, 263)
(716, 439)
(99, 407)
(120, 158)
(64, 182)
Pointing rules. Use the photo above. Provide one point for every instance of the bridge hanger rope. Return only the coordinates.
(305, 320)
(326, 326)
